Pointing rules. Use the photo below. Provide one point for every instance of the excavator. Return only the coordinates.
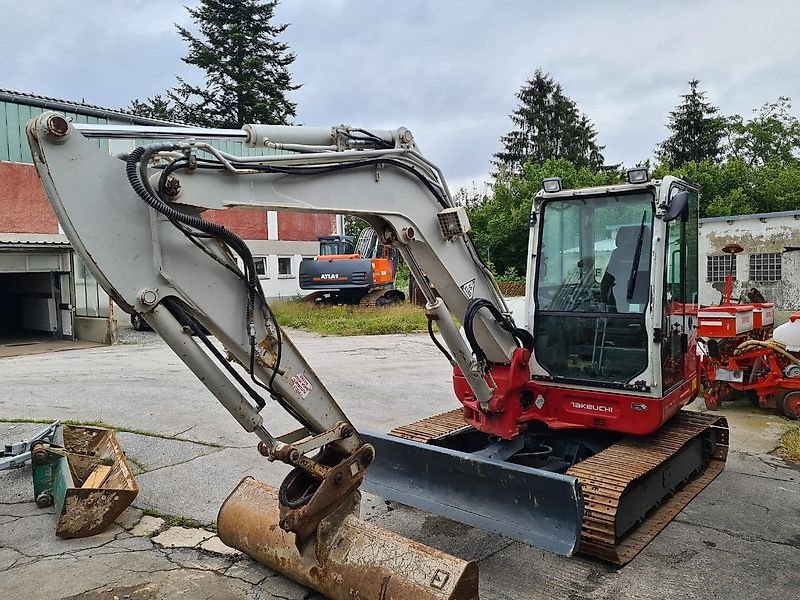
(569, 435)
(344, 273)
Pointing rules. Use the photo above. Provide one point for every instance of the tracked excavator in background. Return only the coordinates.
(569, 435)
(344, 273)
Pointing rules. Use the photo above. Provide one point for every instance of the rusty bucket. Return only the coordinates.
(84, 473)
(349, 558)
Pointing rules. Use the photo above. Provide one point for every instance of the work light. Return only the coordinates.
(638, 175)
(552, 184)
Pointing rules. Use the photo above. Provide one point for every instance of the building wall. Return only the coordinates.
(769, 233)
(23, 205)
(305, 226)
(247, 224)
(279, 286)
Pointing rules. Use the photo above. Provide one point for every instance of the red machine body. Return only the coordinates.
(742, 357)
(565, 407)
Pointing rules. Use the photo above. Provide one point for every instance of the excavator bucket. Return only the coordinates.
(538, 507)
(347, 558)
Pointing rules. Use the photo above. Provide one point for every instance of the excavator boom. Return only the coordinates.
(136, 222)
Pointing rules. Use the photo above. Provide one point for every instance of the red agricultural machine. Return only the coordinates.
(742, 353)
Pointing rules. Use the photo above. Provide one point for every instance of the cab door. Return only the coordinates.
(679, 337)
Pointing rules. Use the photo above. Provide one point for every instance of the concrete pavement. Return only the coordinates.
(739, 538)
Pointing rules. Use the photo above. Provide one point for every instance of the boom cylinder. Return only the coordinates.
(461, 352)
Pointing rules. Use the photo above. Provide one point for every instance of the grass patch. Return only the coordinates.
(350, 320)
(789, 444)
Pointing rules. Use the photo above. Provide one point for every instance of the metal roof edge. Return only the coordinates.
(768, 215)
(46, 102)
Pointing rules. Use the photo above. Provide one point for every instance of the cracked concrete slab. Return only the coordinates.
(189, 558)
(739, 538)
(129, 518)
(216, 546)
(150, 453)
(147, 525)
(200, 486)
(181, 537)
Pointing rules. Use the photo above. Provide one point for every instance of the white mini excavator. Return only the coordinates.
(569, 434)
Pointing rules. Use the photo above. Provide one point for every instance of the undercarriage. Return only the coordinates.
(598, 493)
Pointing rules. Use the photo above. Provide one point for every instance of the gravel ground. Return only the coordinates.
(128, 335)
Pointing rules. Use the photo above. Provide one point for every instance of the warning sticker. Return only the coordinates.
(301, 385)
(469, 288)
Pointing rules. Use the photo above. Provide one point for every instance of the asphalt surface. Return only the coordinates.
(740, 537)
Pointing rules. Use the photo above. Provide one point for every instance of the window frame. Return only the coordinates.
(265, 261)
(766, 267)
(724, 261)
(290, 274)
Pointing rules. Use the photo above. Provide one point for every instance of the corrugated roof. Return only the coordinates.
(54, 240)
(47, 102)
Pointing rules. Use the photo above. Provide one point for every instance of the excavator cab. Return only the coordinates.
(332, 245)
(588, 438)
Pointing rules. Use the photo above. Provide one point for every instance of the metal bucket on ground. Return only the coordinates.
(83, 473)
(347, 558)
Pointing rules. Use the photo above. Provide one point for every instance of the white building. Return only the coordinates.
(770, 261)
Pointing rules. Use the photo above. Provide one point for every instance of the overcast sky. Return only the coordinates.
(447, 69)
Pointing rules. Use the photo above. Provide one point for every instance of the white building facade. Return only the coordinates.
(770, 261)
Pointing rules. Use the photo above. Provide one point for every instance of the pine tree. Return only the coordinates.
(548, 125)
(697, 130)
(156, 107)
(246, 68)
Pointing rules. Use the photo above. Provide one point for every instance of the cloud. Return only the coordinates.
(447, 69)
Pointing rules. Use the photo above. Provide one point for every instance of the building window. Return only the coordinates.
(718, 265)
(91, 300)
(261, 266)
(285, 266)
(765, 267)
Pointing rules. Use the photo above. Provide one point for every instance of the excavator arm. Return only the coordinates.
(136, 220)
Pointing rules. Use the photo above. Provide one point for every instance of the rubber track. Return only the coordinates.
(606, 476)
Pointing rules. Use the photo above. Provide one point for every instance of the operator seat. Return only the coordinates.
(614, 285)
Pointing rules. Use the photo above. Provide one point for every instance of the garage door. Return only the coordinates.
(34, 296)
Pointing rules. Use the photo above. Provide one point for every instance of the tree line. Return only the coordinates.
(742, 166)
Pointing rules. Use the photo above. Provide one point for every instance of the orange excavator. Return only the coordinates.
(347, 273)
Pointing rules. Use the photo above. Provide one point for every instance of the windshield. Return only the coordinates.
(594, 257)
(335, 246)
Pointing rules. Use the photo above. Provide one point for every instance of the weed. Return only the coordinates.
(789, 444)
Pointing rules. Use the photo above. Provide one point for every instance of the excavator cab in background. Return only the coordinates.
(346, 273)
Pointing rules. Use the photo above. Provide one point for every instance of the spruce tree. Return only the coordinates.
(697, 130)
(246, 68)
(548, 125)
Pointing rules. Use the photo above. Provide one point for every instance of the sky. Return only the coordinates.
(446, 69)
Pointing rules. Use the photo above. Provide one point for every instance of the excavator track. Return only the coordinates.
(616, 476)
(369, 301)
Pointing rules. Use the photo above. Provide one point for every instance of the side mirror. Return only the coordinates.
(679, 203)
